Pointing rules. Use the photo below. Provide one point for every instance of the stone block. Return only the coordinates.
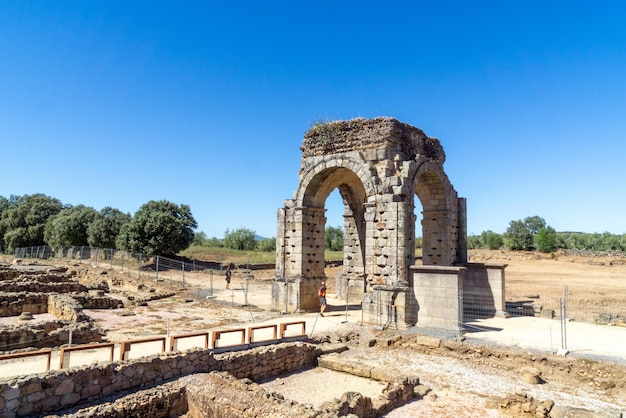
(428, 341)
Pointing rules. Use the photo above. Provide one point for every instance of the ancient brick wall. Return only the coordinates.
(13, 304)
(47, 335)
(66, 307)
(54, 390)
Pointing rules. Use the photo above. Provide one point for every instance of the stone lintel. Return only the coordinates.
(437, 269)
(390, 288)
(500, 266)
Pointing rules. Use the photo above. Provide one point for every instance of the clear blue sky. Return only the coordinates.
(117, 103)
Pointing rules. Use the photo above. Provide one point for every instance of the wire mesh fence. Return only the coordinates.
(191, 279)
(154, 266)
(556, 318)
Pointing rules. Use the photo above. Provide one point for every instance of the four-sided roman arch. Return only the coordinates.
(380, 166)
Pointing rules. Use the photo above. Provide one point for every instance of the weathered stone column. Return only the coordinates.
(300, 258)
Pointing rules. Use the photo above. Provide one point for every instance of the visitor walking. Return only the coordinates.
(229, 275)
(322, 294)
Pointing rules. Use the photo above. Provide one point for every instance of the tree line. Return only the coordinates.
(532, 233)
(165, 228)
(158, 227)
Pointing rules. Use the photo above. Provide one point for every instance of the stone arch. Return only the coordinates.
(300, 240)
(440, 215)
(379, 166)
(320, 178)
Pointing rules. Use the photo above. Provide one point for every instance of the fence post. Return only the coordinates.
(183, 274)
(139, 266)
(111, 259)
(156, 278)
(123, 254)
(347, 299)
(565, 318)
(286, 295)
(248, 281)
(211, 284)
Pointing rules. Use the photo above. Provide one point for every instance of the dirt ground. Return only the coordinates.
(465, 380)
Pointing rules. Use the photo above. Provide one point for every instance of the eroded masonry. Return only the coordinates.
(380, 167)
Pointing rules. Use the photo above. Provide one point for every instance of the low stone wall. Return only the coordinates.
(66, 307)
(98, 302)
(13, 304)
(221, 393)
(41, 287)
(400, 390)
(8, 273)
(55, 390)
(164, 401)
(48, 335)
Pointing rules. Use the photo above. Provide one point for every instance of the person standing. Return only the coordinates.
(229, 275)
(322, 294)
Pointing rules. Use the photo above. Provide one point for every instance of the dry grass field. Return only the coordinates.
(595, 284)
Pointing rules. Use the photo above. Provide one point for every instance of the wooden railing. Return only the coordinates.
(235, 337)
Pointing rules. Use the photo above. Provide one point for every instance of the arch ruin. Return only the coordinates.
(380, 166)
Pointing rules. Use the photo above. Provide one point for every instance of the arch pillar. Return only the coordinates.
(300, 257)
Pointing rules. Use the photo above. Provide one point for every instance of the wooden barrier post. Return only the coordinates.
(62, 365)
(125, 346)
(175, 338)
(285, 325)
(215, 336)
(252, 329)
(43, 352)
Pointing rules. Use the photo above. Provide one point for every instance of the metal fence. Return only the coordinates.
(563, 319)
(152, 266)
(199, 280)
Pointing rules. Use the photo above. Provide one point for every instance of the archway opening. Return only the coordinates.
(340, 193)
(430, 193)
(418, 232)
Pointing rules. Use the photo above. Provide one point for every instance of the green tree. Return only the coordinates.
(242, 239)
(518, 236)
(473, 242)
(200, 239)
(69, 227)
(24, 218)
(534, 224)
(267, 245)
(572, 240)
(158, 228)
(609, 242)
(4, 205)
(545, 239)
(491, 240)
(105, 228)
(333, 238)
